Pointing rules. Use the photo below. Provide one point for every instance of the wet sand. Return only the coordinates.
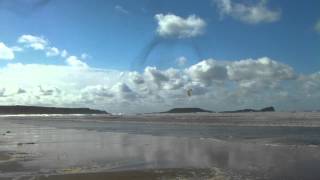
(161, 147)
(4, 157)
(142, 175)
(300, 119)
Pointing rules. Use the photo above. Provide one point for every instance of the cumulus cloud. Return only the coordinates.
(98, 91)
(76, 62)
(2, 92)
(21, 91)
(248, 13)
(35, 42)
(155, 75)
(172, 26)
(64, 53)
(265, 68)
(52, 51)
(6, 53)
(216, 85)
(181, 61)
(34, 84)
(123, 91)
(208, 71)
(136, 78)
(17, 49)
(40, 43)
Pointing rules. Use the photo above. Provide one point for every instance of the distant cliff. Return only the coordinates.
(267, 109)
(47, 110)
(195, 110)
(186, 110)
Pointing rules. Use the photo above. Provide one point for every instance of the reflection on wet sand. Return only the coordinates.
(53, 150)
(162, 174)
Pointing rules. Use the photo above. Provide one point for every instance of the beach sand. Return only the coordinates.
(4, 156)
(161, 146)
(142, 175)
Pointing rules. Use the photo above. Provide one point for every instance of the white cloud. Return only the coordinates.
(76, 62)
(85, 56)
(317, 26)
(136, 78)
(35, 42)
(21, 91)
(124, 92)
(6, 53)
(251, 14)
(208, 71)
(2, 92)
(52, 51)
(52, 91)
(216, 85)
(40, 43)
(51, 84)
(98, 91)
(182, 61)
(172, 26)
(262, 68)
(121, 9)
(64, 53)
(155, 75)
(17, 49)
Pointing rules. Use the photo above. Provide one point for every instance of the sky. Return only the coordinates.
(127, 56)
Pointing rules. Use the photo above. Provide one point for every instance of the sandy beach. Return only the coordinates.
(161, 146)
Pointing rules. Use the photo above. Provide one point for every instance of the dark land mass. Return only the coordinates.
(187, 110)
(267, 109)
(47, 110)
(196, 110)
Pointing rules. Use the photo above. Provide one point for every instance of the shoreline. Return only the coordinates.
(95, 147)
(253, 119)
(148, 174)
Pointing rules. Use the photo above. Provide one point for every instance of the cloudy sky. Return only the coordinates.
(144, 56)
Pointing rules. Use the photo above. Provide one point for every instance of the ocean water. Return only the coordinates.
(291, 135)
(58, 144)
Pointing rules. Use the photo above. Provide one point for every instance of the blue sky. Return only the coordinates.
(113, 38)
(115, 34)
